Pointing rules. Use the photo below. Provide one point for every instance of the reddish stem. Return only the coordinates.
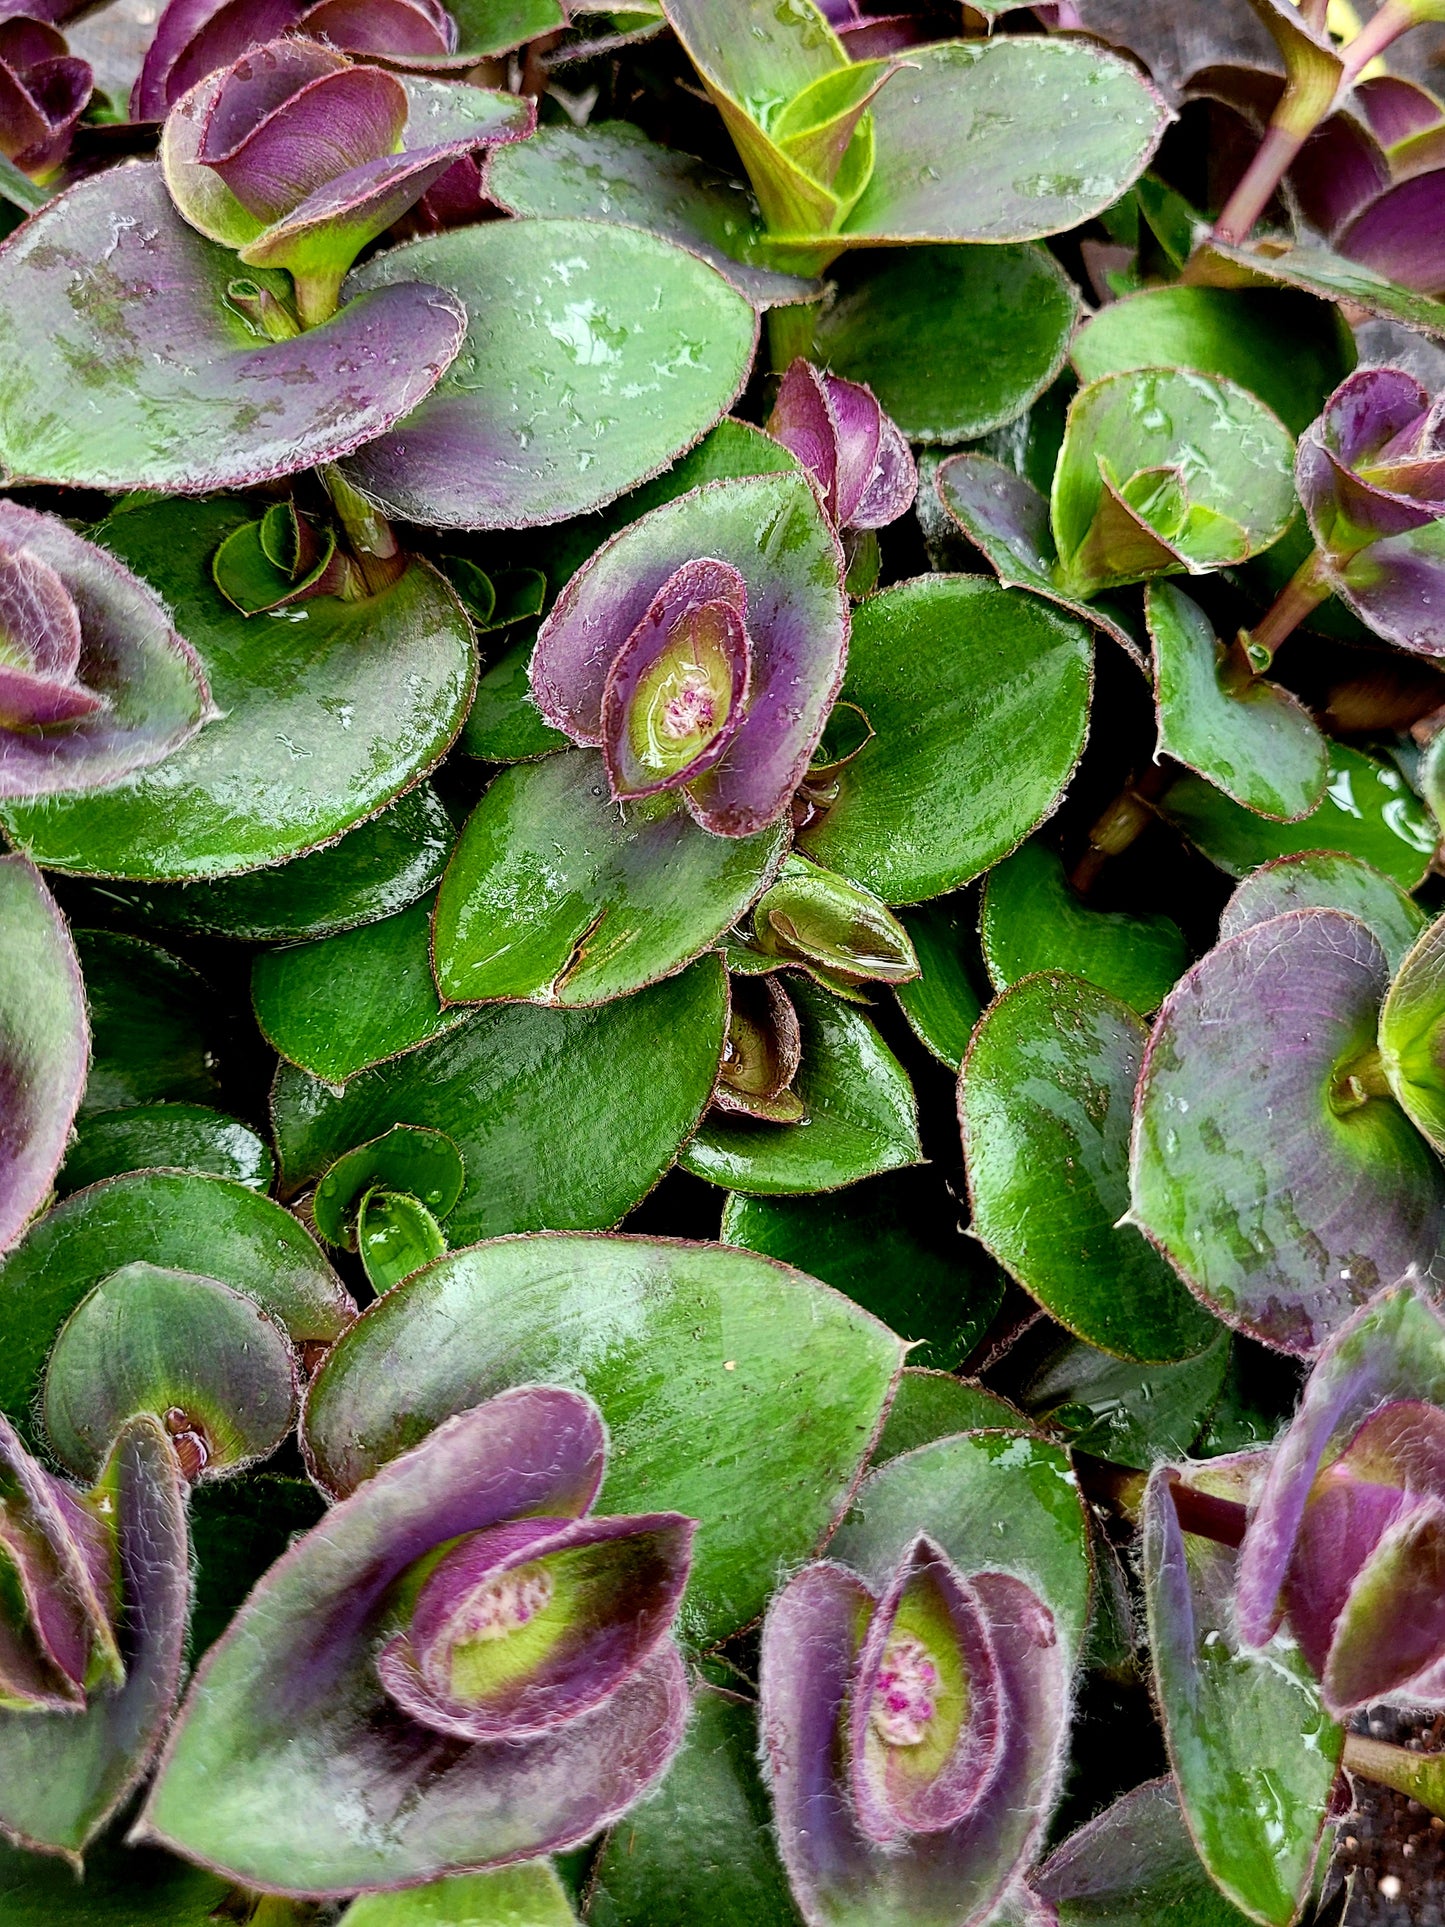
(1208, 1517)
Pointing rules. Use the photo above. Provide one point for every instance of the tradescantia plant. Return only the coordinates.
(722, 1023)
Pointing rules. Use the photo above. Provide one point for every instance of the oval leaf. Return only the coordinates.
(979, 698)
(1045, 1103)
(1285, 1198)
(1323, 880)
(558, 401)
(735, 1390)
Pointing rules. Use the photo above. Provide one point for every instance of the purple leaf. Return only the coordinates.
(854, 452)
(97, 683)
(65, 1776)
(677, 690)
(183, 394)
(44, 1044)
(194, 38)
(43, 93)
(288, 118)
(1401, 233)
(293, 1769)
(620, 1580)
(1283, 1193)
(1347, 1517)
(963, 1815)
(58, 1567)
(770, 533)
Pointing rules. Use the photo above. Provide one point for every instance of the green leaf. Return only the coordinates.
(44, 1043)
(562, 1117)
(979, 698)
(1129, 1414)
(892, 1246)
(1254, 1752)
(861, 1114)
(1289, 350)
(505, 725)
(1228, 458)
(107, 294)
(1045, 1101)
(123, 1887)
(395, 1235)
(1320, 271)
(360, 998)
(975, 141)
(953, 341)
(1254, 740)
(1321, 880)
(424, 1164)
(701, 1847)
(941, 1004)
(1133, 1866)
(558, 400)
(239, 1528)
(1001, 1501)
(496, 26)
(1031, 921)
(1367, 811)
(611, 171)
(1412, 1030)
(375, 870)
(171, 1137)
(735, 1390)
(933, 1405)
(556, 895)
(180, 1221)
(151, 1025)
(321, 725)
(154, 1340)
(527, 1896)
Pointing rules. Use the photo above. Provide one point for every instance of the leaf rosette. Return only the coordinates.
(1371, 475)
(44, 90)
(913, 1739)
(1346, 1543)
(460, 1667)
(702, 649)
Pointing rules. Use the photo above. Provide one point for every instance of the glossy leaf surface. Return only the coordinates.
(374, 870)
(953, 341)
(184, 393)
(359, 998)
(1236, 332)
(152, 1020)
(1256, 742)
(527, 1896)
(1412, 1035)
(935, 1405)
(1132, 1865)
(1321, 880)
(44, 1043)
(1127, 1413)
(491, 1086)
(978, 698)
(996, 1502)
(881, 1243)
(941, 1004)
(557, 895)
(1031, 920)
(177, 1220)
(1367, 811)
(701, 1846)
(647, 362)
(157, 1341)
(1045, 1101)
(424, 1165)
(322, 734)
(860, 1119)
(1284, 1199)
(700, 1343)
(171, 1137)
(1253, 1751)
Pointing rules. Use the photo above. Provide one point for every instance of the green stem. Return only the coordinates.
(318, 296)
(1419, 1776)
(370, 536)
